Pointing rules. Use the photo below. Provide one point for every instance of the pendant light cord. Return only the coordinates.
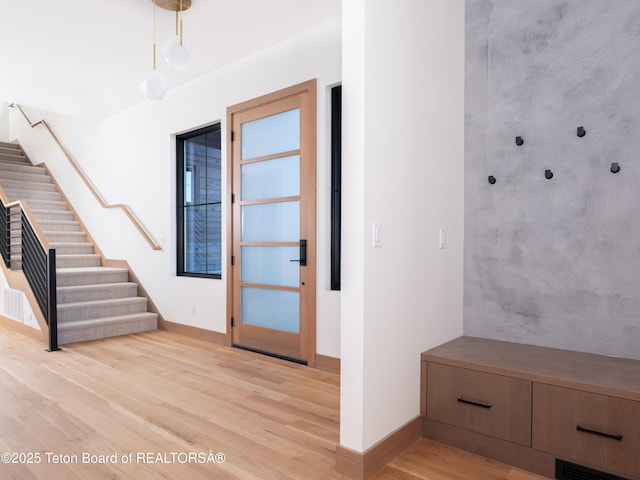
(180, 22)
(154, 34)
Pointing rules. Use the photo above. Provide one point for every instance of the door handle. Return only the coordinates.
(303, 254)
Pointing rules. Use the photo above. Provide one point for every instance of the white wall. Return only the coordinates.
(130, 158)
(4, 121)
(403, 84)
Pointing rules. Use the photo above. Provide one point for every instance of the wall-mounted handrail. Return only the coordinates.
(103, 203)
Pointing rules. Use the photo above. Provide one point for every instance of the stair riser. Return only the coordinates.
(52, 226)
(32, 195)
(22, 186)
(61, 215)
(71, 312)
(82, 278)
(26, 173)
(72, 333)
(10, 145)
(71, 249)
(14, 158)
(99, 292)
(47, 205)
(77, 261)
(67, 237)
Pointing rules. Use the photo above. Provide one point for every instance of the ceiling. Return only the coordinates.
(87, 57)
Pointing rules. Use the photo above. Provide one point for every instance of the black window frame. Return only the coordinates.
(336, 185)
(180, 200)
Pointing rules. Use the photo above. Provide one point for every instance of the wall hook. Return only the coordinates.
(581, 132)
(492, 179)
(548, 174)
(615, 167)
(519, 141)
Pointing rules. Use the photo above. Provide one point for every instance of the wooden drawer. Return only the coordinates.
(490, 404)
(593, 429)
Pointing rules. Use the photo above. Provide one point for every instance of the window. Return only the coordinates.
(199, 215)
(336, 184)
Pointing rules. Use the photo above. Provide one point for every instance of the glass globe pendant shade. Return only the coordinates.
(155, 86)
(177, 55)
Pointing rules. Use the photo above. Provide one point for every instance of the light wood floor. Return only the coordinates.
(160, 397)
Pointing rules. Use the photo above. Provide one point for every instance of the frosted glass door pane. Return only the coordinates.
(271, 222)
(273, 134)
(275, 309)
(271, 265)
(275, 178)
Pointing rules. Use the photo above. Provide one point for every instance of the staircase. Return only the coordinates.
(93, 301)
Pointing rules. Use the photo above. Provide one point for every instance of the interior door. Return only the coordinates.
(272, 286)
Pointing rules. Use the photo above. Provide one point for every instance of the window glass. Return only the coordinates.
(199, 216)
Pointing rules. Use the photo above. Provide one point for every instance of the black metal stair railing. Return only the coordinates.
(5, 236)
(38, 265)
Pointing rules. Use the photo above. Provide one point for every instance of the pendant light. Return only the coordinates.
(155, 86)
(175, 52)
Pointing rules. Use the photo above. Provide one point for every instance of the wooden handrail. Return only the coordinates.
(103, 203)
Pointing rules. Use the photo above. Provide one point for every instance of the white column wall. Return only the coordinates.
(353, 229)
(130, 158)
(403, 66)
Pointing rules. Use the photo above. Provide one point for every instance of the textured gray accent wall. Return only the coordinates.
(553, 262)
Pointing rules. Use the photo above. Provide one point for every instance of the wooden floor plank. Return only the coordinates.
(428, 460)
(163, 394)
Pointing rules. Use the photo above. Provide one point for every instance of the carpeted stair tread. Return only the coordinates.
(59, 225)
(66, 237)
(25, 185)
(90, 276)
(78, 260)
(52, 214)
(72, 248)
(57, 205)
(100, 291)
(68, 312)
(12, 157)
(14, 194)
(27, 173)
(83, 330)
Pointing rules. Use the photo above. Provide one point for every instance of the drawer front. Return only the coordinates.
(491, 404)
(596, 430)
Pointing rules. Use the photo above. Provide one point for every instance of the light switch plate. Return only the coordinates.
(377, 235)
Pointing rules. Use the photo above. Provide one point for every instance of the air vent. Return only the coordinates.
(571, 471)
(13, 303)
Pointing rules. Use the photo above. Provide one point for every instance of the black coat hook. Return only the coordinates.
(615, 167)
(548, 174)
(519, 141)
(581, 132)
(492, 179)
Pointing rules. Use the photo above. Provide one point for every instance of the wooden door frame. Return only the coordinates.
(309, 134)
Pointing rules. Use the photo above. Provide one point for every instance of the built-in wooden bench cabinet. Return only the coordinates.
(529, 406)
